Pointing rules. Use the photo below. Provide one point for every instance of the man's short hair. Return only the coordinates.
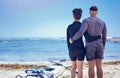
(77, 13)
(93, 8)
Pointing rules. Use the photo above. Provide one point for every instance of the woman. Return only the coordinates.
(76, 49)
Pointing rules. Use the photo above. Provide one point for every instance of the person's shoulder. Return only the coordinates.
(69, 26)
(101, 20)
(85, 20)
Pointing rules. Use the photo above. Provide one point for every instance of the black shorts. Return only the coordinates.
(77, 55)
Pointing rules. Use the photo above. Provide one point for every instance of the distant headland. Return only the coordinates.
(114, 39)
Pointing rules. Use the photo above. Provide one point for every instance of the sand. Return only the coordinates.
(111, 69)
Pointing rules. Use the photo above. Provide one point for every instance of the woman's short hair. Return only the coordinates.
(77, 13)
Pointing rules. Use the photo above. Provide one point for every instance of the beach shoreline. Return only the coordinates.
(11, 69)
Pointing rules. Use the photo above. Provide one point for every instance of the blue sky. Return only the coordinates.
(50, 18)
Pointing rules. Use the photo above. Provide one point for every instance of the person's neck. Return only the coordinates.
(93, 15)
(76, 20)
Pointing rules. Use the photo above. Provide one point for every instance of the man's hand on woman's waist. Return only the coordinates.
(71, 41)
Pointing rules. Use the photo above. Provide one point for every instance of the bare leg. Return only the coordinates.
(99, 68)
(91, 69)
(80, 69)
(74, 66)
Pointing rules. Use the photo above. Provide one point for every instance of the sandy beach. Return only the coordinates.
(10, 70)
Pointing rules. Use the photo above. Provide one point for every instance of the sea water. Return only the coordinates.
(43, 49)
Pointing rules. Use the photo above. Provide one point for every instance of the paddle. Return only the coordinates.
(58, 64)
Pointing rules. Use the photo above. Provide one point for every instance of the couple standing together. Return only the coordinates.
(94, 31)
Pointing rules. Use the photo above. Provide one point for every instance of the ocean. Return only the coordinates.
(43, 49)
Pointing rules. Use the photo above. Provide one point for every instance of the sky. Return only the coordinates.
(50, 18)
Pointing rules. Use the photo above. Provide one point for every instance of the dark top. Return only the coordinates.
(71, 30)
(78, 44)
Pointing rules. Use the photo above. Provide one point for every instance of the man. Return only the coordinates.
(94, 50)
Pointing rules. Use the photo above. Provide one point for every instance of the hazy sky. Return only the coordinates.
(50, 18)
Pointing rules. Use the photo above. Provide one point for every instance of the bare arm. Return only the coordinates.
(81, 31)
